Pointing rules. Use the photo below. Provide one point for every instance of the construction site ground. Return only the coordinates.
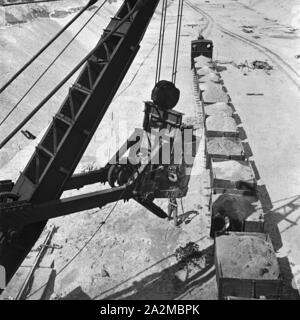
(132, 256)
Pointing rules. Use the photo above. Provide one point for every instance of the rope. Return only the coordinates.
(177, 40)
(80, 64)
(161, 40)
(91, 2)
(90, 239)
(83, 247)
(51, 64)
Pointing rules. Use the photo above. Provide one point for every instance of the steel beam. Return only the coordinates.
(151, 206)
(46, 176)
(27, 213)
(80, 180)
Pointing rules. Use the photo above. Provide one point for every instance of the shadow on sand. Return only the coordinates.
(272, 218)
(171, 283)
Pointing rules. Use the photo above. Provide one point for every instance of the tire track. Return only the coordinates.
(282, 65)
(209, 24)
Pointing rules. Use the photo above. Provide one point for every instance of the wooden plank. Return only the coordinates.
(246, 288)
(23, 290)
(47, 261)
(255, 222)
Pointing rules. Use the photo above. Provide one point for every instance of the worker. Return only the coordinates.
(229, 213)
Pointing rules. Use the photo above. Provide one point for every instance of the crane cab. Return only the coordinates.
(201, 47)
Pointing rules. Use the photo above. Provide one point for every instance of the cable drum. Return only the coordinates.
(165, 95)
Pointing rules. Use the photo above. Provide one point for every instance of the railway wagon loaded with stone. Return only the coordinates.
(245, 260)
(246, 266)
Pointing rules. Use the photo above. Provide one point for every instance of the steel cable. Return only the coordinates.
(161, 40)
(91, 2)
(51, 64)
(83, 247)
(79, 65)
(177, 41)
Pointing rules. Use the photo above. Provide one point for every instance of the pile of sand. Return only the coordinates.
(222, 124)
(31, 27)
(205, 70)
(213, 92)
(214, 77)
(218, 109)
(202, 61)
(233, 171)
(253, 257)
(224, 146)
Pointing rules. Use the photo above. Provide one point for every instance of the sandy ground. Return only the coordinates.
(269, 120)
(20, 41)
(132, 257)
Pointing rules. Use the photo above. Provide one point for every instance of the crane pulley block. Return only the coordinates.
(156, 117)
(50, 169)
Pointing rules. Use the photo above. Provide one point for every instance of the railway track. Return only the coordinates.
(209, 24)
(288, 291)
(281, 64)
(206, 30)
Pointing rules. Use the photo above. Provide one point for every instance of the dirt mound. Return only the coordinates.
(252, 258)
(213, 92)
(233, 171)
(218, 109)
(22, 16)
(224, 146)
(25, 13)
(221, 124)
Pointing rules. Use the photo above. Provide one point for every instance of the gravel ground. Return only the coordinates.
(132, 257)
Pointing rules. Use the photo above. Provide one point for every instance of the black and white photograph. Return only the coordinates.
(149, 150)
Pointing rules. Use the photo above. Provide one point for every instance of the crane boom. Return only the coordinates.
(51, 166)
